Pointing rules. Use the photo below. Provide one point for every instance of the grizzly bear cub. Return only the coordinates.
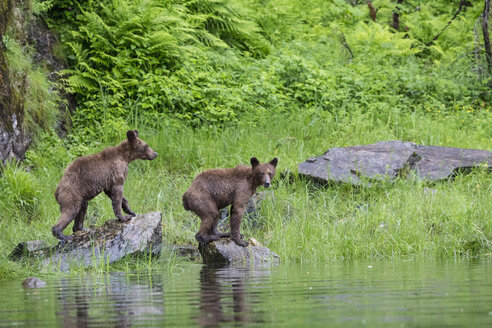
(215, 189)
(87, 176)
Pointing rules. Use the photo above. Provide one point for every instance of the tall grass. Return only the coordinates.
(307, 95)
(307, 222)
(302, 221)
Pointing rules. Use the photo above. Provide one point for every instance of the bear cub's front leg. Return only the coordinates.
(236, 217)
(119, 202)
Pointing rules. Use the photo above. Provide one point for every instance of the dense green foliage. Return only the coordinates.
(212, 83)
(149, 59)
(214, 61)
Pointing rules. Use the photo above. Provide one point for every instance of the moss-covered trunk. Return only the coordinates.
(6, 108)
(28, 103)
(13, 142)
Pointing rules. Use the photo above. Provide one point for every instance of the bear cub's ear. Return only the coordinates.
(274, 161)
(132, 135)
(254, 161)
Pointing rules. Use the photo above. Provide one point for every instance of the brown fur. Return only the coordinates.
(87, 176)
(215, 189)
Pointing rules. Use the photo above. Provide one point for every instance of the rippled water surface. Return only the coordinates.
(409, 294)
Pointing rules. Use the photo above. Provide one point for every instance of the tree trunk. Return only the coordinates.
(372, 10)
(462, 4)
(6, 106)
(396, 16)
(485, 31)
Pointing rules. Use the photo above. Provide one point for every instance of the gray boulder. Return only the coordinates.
(108, 243)
(391, 159)
(225, 251)
(33, 282)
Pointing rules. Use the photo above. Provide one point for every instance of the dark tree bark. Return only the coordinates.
(396, 16)
(462, 4)
(346, 45)
(5, 89)
(372, 11)
(485, 31)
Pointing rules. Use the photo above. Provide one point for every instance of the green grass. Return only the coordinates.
(292, 97)
(302, 221)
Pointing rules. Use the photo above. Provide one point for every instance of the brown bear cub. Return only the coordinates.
(87, 176)
(215, 189)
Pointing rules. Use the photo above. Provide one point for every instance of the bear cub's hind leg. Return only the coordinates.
(79, 219)
(205, 234)
(67, 216)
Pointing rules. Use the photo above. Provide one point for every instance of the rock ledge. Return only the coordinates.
(225, 251)
(391, 159)
(106, 244)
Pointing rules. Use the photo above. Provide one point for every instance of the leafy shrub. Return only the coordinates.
(136, 56)
(20, 192)
(208, 62)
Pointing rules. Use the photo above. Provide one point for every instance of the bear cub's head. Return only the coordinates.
(139, 148)
(263, 173)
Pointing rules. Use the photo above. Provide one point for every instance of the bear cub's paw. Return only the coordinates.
(125, 218)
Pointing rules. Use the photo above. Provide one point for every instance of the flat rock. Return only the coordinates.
(225, 251)
(186, 251)
(391, 159)
(99, 246)
(31, 248)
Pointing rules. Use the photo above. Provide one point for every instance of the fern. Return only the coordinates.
(211, 61)
(228, 20)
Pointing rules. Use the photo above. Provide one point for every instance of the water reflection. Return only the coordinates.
(446, 293)
(223, 291)
(117, 302)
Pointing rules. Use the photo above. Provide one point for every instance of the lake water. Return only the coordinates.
(407, 294)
